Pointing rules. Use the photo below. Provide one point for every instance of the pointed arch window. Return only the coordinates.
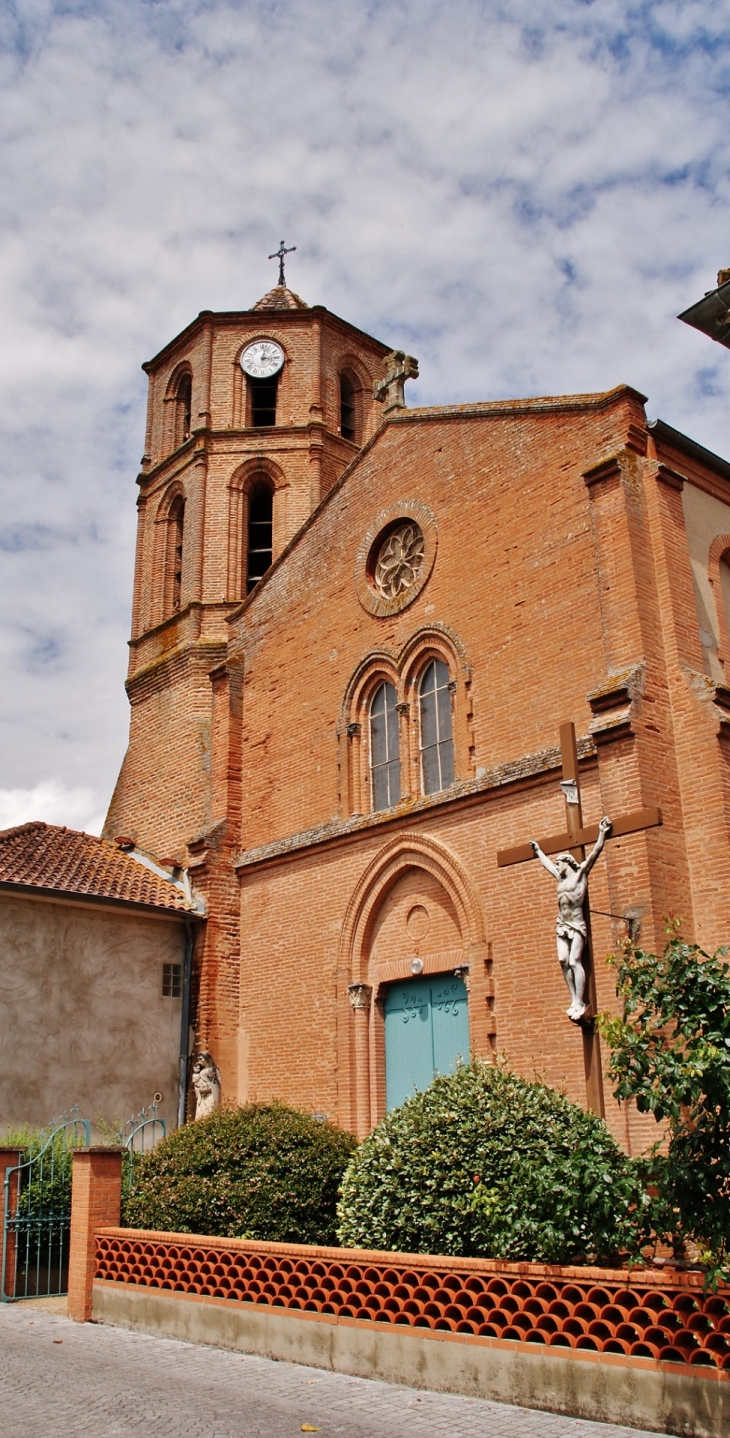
(437, 742)
(384, 748)
(174, 565)
(183, 409)
(259, 548)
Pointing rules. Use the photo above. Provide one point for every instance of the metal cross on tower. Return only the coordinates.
(279, 255)
(573, 839)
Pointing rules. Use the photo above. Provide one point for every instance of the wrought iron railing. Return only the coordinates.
(139, 1135)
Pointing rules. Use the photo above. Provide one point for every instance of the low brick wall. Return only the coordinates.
(650, 1314)
(648, 1349)
(637, 1392)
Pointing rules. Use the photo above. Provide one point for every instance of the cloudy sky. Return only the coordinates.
(522, 195)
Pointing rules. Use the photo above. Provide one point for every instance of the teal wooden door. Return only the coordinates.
(426, 1031)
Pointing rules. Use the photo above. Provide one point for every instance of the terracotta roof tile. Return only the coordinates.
(280, 298)
(44, 856)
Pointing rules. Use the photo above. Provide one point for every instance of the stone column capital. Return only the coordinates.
(360, 995)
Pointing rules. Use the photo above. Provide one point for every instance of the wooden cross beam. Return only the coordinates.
(573, 841)
(558, 843)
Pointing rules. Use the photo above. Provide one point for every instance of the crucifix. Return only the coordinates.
(576, 935)
(279, 255)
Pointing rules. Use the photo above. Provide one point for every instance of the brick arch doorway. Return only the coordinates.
(414, 902)
(416, 957)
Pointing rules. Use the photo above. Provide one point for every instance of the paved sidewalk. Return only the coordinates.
(60, 1379)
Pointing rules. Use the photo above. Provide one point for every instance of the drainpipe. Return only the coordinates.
(185, 1023)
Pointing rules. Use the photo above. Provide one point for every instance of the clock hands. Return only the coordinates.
(262, 359)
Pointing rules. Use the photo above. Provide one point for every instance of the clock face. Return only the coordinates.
(262, 359)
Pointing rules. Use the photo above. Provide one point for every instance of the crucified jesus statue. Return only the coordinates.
(571, 927)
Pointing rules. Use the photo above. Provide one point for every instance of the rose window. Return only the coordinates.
(399, 560)
(395, 557)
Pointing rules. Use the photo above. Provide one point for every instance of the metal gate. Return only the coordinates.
(37, 1213)
(142, 1136)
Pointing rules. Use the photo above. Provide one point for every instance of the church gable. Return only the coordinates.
(500, 574)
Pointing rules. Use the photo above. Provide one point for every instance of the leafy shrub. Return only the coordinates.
(23, 1137)
(483, 1163)
(671, 1052)
(46, 1187)
(262, 1171)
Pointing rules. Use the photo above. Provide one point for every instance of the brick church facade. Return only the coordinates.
(357, 630)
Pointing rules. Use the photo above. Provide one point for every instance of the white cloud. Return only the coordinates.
(525, 197)
(54, 804)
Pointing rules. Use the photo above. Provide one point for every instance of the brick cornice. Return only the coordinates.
(529, 769)
(721, 701)
(200, 654)
(517, 408)
(176, 461)
(198, 606)
(670, 477)
(637, 439)
(608, 468)
(262, 319)
(611, 704)
(165, 624)
(617, 689)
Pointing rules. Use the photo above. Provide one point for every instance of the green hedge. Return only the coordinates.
(262, 1171)
(484, 1163)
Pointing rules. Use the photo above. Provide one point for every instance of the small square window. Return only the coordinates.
(171, 981)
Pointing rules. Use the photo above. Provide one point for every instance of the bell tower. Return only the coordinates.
(252, 416)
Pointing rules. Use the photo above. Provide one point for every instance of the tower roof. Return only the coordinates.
(280, 298)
